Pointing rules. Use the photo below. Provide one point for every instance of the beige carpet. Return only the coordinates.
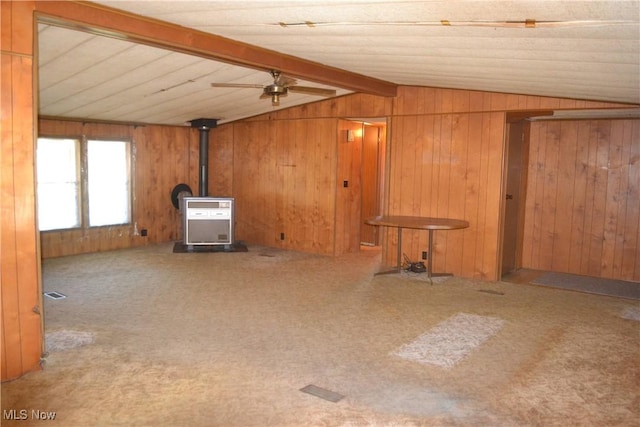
(230, 339)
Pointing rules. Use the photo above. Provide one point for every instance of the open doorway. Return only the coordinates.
(516, 160)
(373, 134)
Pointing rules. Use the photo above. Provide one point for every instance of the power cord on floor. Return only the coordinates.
(414, 267)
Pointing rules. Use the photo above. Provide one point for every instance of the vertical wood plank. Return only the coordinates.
(220, 161)
(601, 131)
(325, 202)
(21, 331)
(536, 178)
(549, 195)
(631, 246)
(581, 174)
(444, 178)
(613, 199)
(281, 135)
(479, 270)
(457, 190)
(471, 192)
(564, 205)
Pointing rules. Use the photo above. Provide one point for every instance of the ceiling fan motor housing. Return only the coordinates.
(275, 89)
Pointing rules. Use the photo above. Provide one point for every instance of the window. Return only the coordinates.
(58, 183)
(108, 182)
(72, 196)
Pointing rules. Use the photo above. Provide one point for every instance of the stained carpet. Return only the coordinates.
(450, 341)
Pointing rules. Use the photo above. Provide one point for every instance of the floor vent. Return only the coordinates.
(55, 295)
(322, 393)
(490, 291)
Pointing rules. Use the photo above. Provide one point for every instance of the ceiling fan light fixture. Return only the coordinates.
(280, 87)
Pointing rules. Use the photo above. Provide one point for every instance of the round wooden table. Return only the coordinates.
(420, 223)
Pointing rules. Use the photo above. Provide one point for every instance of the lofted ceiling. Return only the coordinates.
(575, 49)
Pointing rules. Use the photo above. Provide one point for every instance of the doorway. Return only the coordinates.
(516, 160)
(371, 136)
(373, 161)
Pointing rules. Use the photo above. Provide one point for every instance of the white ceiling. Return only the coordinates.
(591, 51)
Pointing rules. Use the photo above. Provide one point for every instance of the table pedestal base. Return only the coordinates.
(430, 257)
(418, 223)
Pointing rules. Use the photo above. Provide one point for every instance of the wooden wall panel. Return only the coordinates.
(285, 136)
(630, 230)
(445, 165)
(20, 295)
(283, 182)
(166, 156)
(163, 156)
(220, 162)
(583, 202)
(445, 159)
(324, 206)
(254, 149)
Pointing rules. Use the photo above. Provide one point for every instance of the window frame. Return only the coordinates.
(83, 173)
(78, 173)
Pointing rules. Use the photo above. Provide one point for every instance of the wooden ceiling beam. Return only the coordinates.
(109, 22)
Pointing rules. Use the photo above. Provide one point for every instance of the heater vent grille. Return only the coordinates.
(208, 221)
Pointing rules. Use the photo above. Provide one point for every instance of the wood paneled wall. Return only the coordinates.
(445, 159)
(163, 156)
(450, 166)
(20, 296)
(583, 198)
(284, 183)
(286, 170)
(288, 173)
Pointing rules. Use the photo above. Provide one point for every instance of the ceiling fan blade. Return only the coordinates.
(286, 81)
(264, 96)
(240, 85)
(313, 90)
(282, 80)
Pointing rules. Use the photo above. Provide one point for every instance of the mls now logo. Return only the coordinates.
(15, 414)
(23, 414)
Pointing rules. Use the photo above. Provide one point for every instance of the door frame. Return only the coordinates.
(520, 118)
(382, 123)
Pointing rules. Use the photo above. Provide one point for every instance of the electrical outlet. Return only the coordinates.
(143, 232)
(345, 184)
(281, 236)
(424, 254)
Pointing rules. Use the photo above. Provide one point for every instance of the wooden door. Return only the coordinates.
(371, 141)
(348, 187)
(514, 196)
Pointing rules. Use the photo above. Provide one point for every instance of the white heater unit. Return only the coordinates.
(208, 221)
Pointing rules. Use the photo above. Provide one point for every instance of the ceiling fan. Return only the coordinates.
(281, 86)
